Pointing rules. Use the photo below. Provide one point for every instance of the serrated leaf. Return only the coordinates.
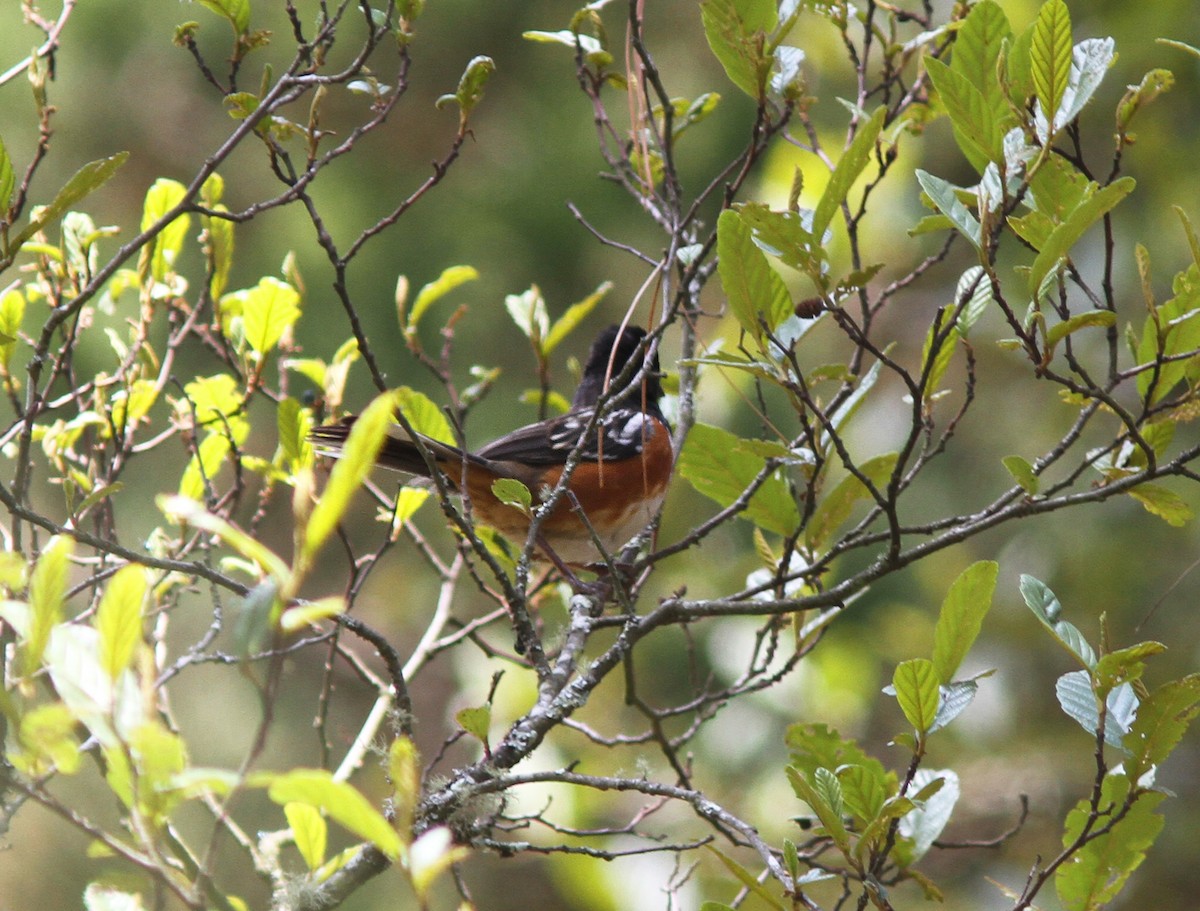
(1095, 873)
(716, 465)
(830, 821)
(848, 169)
(754, 289)
(961, 617)
(1065, 235)
(916, 684)
(340, 801)
(348, 472)
(1050, 57)
(435, 290)
(1045, 605)
(47, 588)
(1162, 719)
(1022, 472)
(119, 618)
(942, 193)
(836, 507)
(735, 30)
(1164, 503)
(309, 832)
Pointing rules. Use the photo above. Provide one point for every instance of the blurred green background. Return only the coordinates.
(121, 84)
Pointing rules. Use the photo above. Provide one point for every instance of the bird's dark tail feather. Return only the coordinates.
(399, 452)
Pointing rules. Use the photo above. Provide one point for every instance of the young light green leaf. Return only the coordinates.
(88, 178)
(7, 182)
(976, 130)
(528, 311)
(513, 493)
(943, 195)
(574, 315)
(423, 414)
(1064, 235)
(163, 196)
(12, 313)
(1164, 503)
(785, 235)
(847, 171)
(305, 615)
(1173, 330)
(715, 462)
(293, 422)
(119, 618)
(1046, 607)
(961, 617)
(1098, 870)
(337, 799)
(1162, 719)
(835, 508)
(404, 772)
(357, 459)
(203, 466)
(309, 832)
(470, 87)
(1153, 84)
(47, 588)
(864, 790)
(1059, 331)
(1022, 472)
(46, 735)
(830, 820)
(475, 721)
(429, 294)
(190, 512)
(269, 309)
(754, 289)
(236, 12)
(1050, 57)
(976, 54)
(934, 364)
(916, 685)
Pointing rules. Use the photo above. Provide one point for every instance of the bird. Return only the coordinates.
(624, 460)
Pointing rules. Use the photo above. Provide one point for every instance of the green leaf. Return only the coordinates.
(916, 685)
(1064, 236)
(736, 31)
(1096, 873)
(528, 311)
(1059, 331)
(187, 511)
(787, 236)
(978, 133)
(7, 182)
(119, 618)
(976, 54)
(309, 832)
(404, 772)
(1153, 84)
(835, 508)
(1022, 472)
(1046, 607)
(91, 176)
(721, 466)
(830, 819)
(847, 171)
(357, 459)
(429, 294)
(203, 466)
(475, 721)
(293, 422)
(1164, 503)
(1050, 57)
(423, 414)
(470, 87)
(269, 309)
(340, 801)
(237, 12)
(961, 617)
(1162, 719)
(934, 365)
(943, 195)
(306, 614)
(1173, 329)
(12, 313)
(1077, 696)
(513, 493)
(754, 289)
(574, 315)
(47, 589)
(46, 735)
(163, 196)
(864, 789)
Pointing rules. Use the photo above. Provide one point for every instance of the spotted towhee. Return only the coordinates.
(624, 459)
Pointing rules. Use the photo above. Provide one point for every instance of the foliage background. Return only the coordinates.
(121, 84)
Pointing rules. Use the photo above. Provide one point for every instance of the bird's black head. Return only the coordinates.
(617, 346)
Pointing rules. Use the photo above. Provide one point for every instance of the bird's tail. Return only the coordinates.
(399, 452)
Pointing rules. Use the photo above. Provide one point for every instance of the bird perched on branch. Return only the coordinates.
(622, 464)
